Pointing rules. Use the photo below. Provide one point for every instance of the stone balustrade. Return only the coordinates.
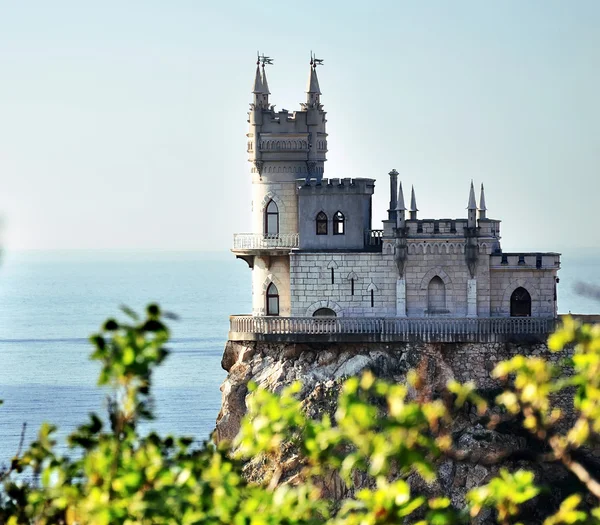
(260, 241)
(371, 329)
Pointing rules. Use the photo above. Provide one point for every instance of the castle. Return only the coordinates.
(314, 253)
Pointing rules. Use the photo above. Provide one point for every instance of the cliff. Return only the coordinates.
(321, 367)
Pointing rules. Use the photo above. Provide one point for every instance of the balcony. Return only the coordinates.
(258, 241)
(391, 329)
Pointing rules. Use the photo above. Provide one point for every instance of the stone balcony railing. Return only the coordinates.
(371, 329)
(266, 241)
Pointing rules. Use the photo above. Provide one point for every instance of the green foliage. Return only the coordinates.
(381, 433)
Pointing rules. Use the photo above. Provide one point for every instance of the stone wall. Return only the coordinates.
(311, 286)
(539, 283)
(351, 197)
(284, 195)
(270, 269)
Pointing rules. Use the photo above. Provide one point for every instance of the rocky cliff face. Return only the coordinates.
(320, 367)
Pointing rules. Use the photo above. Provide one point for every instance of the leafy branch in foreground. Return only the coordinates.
(383, 433)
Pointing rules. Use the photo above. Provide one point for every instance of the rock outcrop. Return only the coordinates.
(320, 367)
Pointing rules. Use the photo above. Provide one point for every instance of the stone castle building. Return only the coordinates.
(314, 253)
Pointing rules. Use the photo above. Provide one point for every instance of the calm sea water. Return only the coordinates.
(51, 302)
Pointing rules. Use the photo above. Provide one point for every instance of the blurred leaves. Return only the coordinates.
(381, 433)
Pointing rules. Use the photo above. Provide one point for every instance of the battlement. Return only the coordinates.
(444, 228)
(346, 186)
(525, 260)
(452, 227)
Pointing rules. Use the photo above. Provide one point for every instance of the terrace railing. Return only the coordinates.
(260, 241)
(481, 329)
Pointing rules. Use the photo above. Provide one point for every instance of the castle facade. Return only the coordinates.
(314, 253)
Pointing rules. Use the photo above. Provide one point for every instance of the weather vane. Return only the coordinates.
(262, 59)
(314, 61)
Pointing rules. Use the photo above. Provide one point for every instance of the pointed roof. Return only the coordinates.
(472, 205)
(258, 85)
(400, 204)
(482, 200)
(413, 200)
(265, 84)
(313, 81)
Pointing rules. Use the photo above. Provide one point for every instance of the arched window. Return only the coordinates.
(321, 223)
(520, 303)
(272, 300)
(339, 223)
(272, 219)
(436, 296)
(324, 312)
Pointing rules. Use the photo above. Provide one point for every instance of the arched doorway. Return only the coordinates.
(436, 296)
(324, 312)
(272, 299)
(520, 303)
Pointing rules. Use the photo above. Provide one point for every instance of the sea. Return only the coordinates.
(50, 303)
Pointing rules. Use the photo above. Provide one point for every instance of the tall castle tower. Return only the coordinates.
(282, 147)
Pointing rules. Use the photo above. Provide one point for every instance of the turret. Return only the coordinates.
(472, 209)
(260, 89)
(313, 92)
(400, 208)
(315, 121)
(393, 194)
(482, 208)
(413, 205)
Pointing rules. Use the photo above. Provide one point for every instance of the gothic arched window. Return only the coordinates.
(271, 218)
(272, 300)
(321, 223)
(520, 303)
(436, 296)
(339, 223)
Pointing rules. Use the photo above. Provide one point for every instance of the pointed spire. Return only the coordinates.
(413, 204)
(258, 84)
(482, 208)
(265, 84)
(472, 205)
(482, 200)
(400, 204)
(413, 201)
(313, 81)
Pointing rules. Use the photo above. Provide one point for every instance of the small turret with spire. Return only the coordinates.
(413, 205)
(313, 91)
(261, 86)
(482, 208)
(472, 209)
(400, 208)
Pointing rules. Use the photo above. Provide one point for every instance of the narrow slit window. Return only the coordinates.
(332, 276)
(321, 223)
(339, 223)
(352, 286)
(372, 298)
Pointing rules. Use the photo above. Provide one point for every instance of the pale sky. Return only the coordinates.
(122, 124)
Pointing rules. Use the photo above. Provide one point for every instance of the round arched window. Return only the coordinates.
(324, 312)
